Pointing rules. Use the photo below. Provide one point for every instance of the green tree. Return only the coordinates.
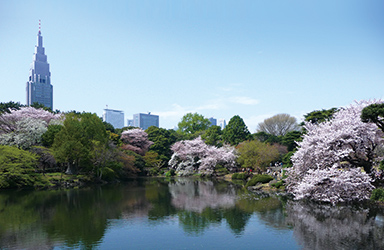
(162, 141)
(49, 136)
(319, 116)
(75, 143)
(267, 138)
(236, 131)
(374, 113)
(16, 167)
(5, 107)
(70, 145)
(290, 139)
(213, 136)
(192, 124)
(255, 154)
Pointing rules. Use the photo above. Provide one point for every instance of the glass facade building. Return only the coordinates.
(144, 121)
(39, 88)
(114, 117)
(213, 121)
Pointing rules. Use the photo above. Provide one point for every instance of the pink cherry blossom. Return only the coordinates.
(333, 155)
(191, 156)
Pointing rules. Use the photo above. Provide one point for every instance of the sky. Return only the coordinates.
(219, 59)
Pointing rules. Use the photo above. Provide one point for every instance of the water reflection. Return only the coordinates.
(195, 196)
(322, 226)
(83, 218)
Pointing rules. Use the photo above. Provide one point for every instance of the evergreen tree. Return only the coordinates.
(236, 131)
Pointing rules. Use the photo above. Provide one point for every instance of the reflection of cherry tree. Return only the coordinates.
(323, 226)
(196, 196)
(331, 155)
(194, 155)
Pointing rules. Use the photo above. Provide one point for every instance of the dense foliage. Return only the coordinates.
(256, 155)
(374, 113)
(236, 131)
(193, 124)
(16, 167)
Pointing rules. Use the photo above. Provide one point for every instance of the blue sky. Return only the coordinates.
(222, 58)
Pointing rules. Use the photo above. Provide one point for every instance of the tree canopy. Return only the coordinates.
(236, 131)
(278, 125)
(319, 116)
(191, 123)
(255, 154)
(374, 113)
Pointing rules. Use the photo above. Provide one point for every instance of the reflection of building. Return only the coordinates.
(114, 117)
(39, 88)
(144, 121)
(213, 121)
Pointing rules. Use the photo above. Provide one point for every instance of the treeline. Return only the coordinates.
(41, 147)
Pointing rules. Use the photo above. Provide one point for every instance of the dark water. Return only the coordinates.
(180, 214)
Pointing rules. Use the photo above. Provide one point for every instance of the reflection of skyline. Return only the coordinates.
(195, 196)
(322, 226)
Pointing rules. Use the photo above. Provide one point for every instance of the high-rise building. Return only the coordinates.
(222, 123)
(144, 121)
(114, 117)
(39, 88)
(213, 121)
(130, 123)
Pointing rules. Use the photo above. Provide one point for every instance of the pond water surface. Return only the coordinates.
(180, 214)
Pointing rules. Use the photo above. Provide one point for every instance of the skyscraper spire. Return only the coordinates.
(39, 88)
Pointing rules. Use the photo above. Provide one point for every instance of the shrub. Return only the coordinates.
(219, 169)
(240, 176)
(259, 178)
(378, 194)
(277, 184)
(170, 173)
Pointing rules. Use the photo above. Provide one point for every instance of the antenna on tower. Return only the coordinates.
(39, 26)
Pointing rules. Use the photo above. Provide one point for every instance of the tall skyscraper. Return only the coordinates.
(39, 88)
(222, 123)
(144, 121)
(114, 117)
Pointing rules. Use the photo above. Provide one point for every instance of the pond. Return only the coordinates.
(156, 213)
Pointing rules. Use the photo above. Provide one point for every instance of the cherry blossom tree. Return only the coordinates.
(136, 140)
(330, 152)
(24, 127)
(28, 132)
(191, 156)
(8, 121)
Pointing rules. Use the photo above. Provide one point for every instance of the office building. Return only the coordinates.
(222, 123)
(39, 88)
(213, 121)
(144, 121)
(114, 117)
(130, 123)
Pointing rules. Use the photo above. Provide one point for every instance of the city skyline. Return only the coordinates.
(249, 58)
